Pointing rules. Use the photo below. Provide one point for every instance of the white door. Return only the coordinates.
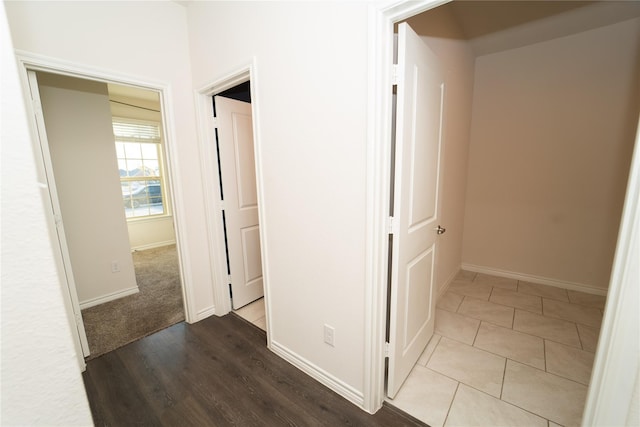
(415, 225)
(238, 174)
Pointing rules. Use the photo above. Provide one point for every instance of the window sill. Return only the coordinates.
(154, 218)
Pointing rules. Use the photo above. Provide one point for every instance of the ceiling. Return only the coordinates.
(493, 26)
(129, 94)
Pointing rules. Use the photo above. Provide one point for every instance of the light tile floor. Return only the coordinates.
(505, 353)
(254, 313)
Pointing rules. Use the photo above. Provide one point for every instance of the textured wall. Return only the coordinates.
(41, 382)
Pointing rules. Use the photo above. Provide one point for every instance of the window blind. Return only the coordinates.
(136, 132)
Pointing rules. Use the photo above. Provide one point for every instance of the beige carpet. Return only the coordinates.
(157, 305)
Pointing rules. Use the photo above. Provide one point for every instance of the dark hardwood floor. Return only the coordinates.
(217, 372)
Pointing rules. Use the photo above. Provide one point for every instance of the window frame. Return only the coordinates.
(161, 167)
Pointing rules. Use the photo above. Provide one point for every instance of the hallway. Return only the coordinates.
(217, 372)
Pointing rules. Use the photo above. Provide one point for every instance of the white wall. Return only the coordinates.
(311, 98)
(145, 41)
(440, 31)
(552, 134)
(41, 382)
(80, 135)
(151, 233)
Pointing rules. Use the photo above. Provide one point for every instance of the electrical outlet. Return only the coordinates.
(329, 334)
(115, 266)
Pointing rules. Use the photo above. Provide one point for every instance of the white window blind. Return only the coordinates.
(136, 132)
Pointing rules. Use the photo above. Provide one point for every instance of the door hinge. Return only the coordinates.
(215, 122)
(386, 349)
(57, 219)
(392, 225)
(229, 279)
(394, 74)
(221, 205)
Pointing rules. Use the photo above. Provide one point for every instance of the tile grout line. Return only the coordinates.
(500, 399)
(506, 305)
(579, 337)
(504, 374)
(513, 318)
(544, 341)
(522, 332)
(528, 410)
(475, 337)
(451, 403)
(551, 373)
(572, 320)
(460, 304)
(434, 350)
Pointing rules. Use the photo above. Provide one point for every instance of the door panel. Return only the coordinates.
(245, 160)
(238, 173)
(251, 253)
(417, 167)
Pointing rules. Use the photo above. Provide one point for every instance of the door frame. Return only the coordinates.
(28, 61)
(610, 365)
(211, 184)
(380, 49)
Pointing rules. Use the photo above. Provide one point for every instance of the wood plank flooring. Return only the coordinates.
(217, 372)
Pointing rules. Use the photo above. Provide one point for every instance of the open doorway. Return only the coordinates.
(235, 151)
(514, 276)
(105, 160)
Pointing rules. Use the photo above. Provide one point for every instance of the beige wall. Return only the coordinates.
(83, 154)
(551, 141)
(440, 31)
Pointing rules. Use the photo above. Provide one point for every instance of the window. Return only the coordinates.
(139, 152)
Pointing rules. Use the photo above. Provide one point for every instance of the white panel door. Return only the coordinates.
(415, 224)
(238, 173)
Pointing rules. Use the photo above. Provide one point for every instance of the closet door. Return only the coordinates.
(415, 217)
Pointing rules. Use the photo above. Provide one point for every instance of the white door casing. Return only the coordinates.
(416, 206)
(63, 256)
(238, 174)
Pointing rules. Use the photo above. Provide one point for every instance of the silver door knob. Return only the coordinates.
(440, 230)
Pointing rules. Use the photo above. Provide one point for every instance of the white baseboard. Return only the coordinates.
(153, 245)
(536, 279)
(205, 312)
(354, 396)
(110, 297)
(447, 282)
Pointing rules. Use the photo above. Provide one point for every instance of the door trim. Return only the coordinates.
(613, 341)
(28, 61)
(244, 73)
(381, 22)
(61, 252)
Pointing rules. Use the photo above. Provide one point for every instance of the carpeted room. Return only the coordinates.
(119, 249)
(156, 306)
